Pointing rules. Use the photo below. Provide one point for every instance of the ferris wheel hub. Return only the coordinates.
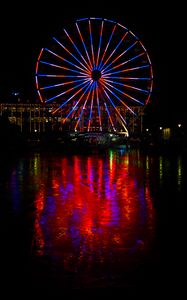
(96, 74)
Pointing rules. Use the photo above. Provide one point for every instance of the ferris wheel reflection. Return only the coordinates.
(89, 210)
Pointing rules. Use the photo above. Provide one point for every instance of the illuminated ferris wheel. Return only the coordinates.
(93, 73)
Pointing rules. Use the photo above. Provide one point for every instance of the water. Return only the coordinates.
(109, 221)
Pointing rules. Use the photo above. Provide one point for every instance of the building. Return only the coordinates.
(38, 118)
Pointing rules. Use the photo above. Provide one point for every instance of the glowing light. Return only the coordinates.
(91, 64)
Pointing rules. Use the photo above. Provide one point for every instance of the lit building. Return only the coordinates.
(38, 118)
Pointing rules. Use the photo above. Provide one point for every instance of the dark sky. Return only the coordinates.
(26, 28)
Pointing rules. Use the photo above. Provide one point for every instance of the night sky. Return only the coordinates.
(26, 28)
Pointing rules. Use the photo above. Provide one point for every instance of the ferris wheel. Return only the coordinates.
(93, 73)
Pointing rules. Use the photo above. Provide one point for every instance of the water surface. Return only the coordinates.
(74, 222)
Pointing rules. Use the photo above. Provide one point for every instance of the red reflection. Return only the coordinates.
(39, 240)
(92, 207)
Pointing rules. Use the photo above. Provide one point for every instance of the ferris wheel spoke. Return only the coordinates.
(63, 68)
(78, 101)
(98, 108)
(67, 91)
(70, 53)
(65, 60)
(69, 99)
(82, 40)
(115, 49)
(109, 116)
(127, 86)
(82, 110)
(116, 96)
(122, 92)
(91, 108)
(91, 43)
(128, 78)
(60, 84)
(118, 57)
(62, 76)
(123, 63)
(87, 64)
(126, 70)
(100, 42)
(107, 46)
(116, 110)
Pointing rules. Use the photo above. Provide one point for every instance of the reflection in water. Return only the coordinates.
(179, 172)
(94, 215)
(161, 169)
(92, 210)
